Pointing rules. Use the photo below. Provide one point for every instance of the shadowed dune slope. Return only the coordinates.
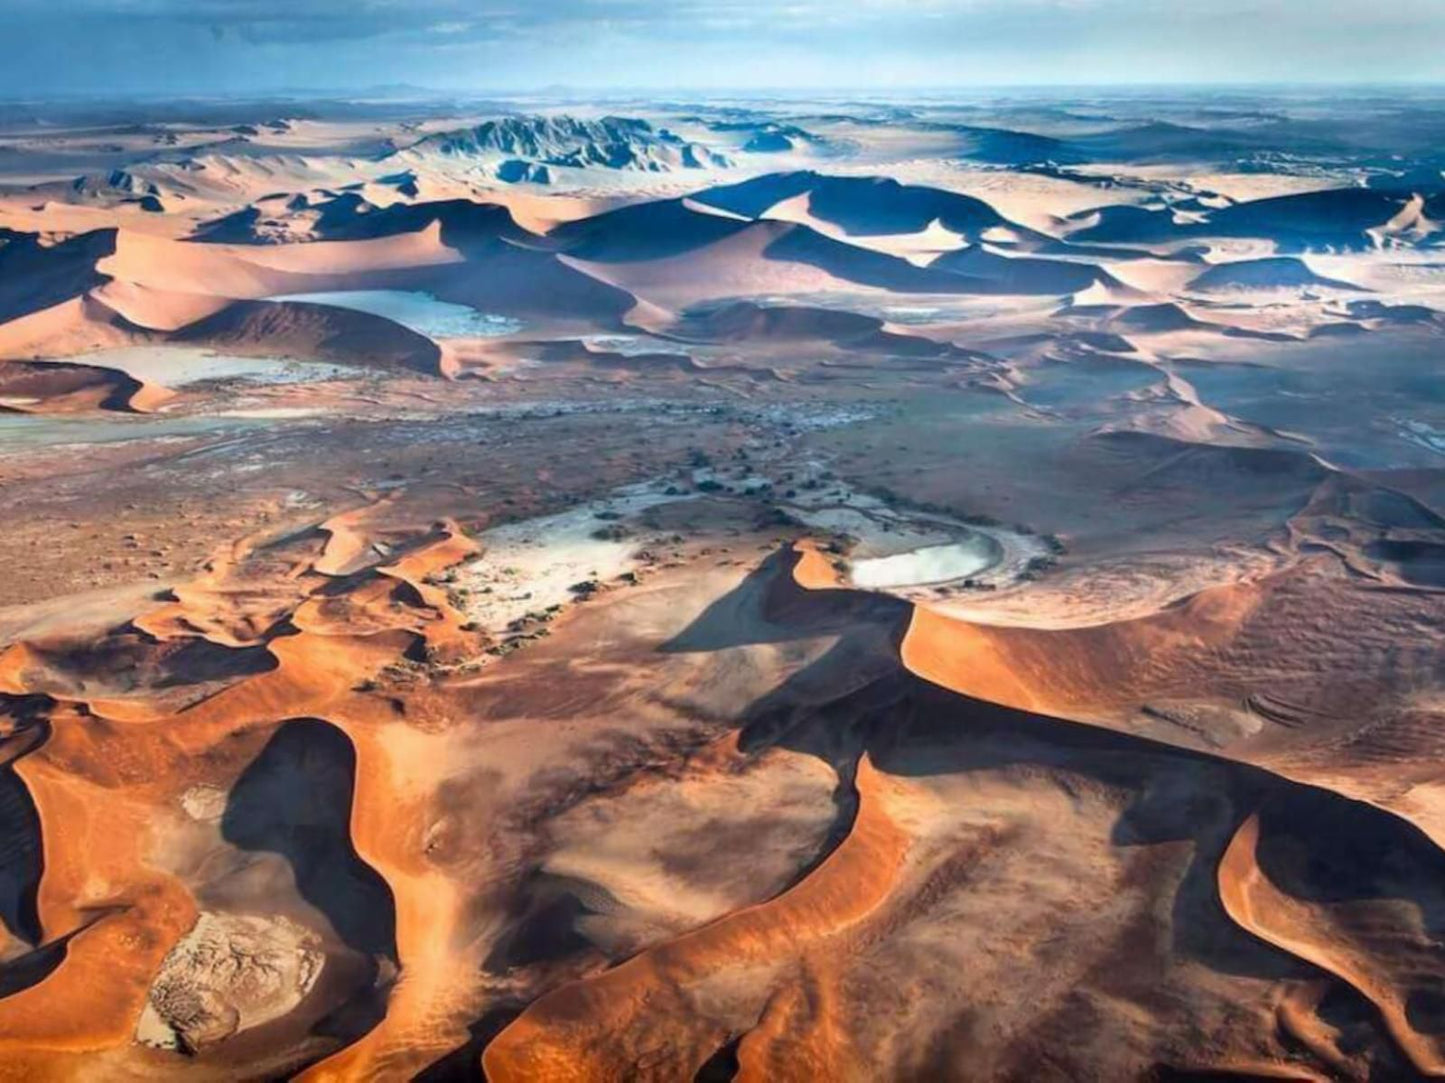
(864, 206)
(1280, 273)
(320, 331)
(810, 628)
(38, 276)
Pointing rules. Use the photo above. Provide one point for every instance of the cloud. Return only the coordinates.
(710, 42)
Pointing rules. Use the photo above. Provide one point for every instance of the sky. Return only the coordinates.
(512, 46)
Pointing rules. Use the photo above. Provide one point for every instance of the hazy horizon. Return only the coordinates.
(241, 47)
(719, 541)
(567, 93)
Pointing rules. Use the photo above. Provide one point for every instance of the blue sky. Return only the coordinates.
(244, 46)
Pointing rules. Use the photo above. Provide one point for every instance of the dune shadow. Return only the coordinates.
(33, 967)
(1324, 848)
(295, 800)
(722, 1066)
(464, 1064)
(769, 607)
(21, 858)
(545, 923)
(856, 697)
(1172, 795)
(22, 855)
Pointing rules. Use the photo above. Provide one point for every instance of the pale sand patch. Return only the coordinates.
(415, 309)
(532, 565)
(919, 248)
(230, 973)
(204, 804)
(180, 366)
(897, 549)
(929, 564)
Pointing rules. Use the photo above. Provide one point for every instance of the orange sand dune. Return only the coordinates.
(599, 1028)
(703, 809)
(422, 248)
(179, 267)
(44, 387)
(318, 332)
(347, 547)
(1305, 929)
(1070, 671)
(315, 671)
(72, 218)
(772, 980)
(119, 918)
(157, 310)
(70, 327)
(734, 265)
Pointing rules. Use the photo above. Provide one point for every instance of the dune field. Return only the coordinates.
(837, 589)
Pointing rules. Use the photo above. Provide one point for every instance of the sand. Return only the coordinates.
(923, 566)
(419, 311)
(539, 565)
(945, 589)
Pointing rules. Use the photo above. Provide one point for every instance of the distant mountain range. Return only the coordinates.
(524, 144)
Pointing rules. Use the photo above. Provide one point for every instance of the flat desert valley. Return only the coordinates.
(845, 589)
